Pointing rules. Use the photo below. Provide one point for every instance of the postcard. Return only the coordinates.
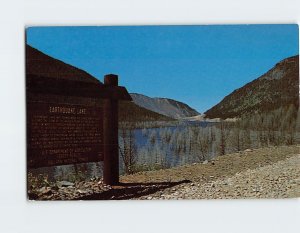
(162, 112)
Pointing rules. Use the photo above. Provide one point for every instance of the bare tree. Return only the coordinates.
(128, 148)
(224, 133)
(290, 124)
(153, 137)
(202, 144)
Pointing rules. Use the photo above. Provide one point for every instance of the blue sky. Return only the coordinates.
(198, 65)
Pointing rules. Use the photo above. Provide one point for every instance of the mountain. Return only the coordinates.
(164, 106)
(279, 87)
(40, 64)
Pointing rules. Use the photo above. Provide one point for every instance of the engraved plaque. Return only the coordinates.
(60, 134)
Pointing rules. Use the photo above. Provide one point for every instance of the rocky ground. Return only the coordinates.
(261, 173)
(279, 180)
(64, 190)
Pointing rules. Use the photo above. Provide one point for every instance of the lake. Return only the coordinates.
(153, 151)
(169, 146)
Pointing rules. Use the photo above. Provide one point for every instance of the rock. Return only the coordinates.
(45, 191)
(64, 183)
(49, 197)
(149, 198)
(82, 191)
(205, 162)
(248, 150)
(55, 187)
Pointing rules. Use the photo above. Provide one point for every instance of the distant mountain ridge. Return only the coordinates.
(164, 106)
(279, 87)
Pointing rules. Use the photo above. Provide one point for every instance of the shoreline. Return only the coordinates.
(159, 184)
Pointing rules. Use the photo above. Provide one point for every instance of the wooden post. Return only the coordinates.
(110, 135)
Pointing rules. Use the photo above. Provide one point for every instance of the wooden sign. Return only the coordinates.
(71, 116)
(63, 134)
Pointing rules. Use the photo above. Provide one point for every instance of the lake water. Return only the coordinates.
(163, 147)
(152, 152)
(152, 149)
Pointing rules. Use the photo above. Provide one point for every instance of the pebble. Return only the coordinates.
(81, 191)
(248, 150)
(45, 191)
(64, 184)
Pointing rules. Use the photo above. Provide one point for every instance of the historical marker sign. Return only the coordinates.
(63, 134)
(71, 116)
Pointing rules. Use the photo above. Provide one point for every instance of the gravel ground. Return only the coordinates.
(272, 172)
(279, 180)
(223, 166)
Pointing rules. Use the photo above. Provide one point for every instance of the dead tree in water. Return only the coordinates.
(153, 137)
(203, 143)
(128, 149)
(224, 133)
(236, 138)
(290, 124)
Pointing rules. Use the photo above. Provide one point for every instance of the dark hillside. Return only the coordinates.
(40, 64)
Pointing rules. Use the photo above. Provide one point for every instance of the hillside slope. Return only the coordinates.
(40, 64)
(279, 87)
(164, 106)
